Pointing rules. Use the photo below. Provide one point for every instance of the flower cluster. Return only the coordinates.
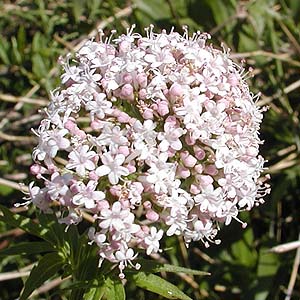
(150, 135)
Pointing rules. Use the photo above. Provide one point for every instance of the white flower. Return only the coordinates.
(99, 107)
(58, 186)
(152, 240)
(114, 217)
(87, 195)
(112, 166)
(210, 199)
(81, 159)
(170, 138)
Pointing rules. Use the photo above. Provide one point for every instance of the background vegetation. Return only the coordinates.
(265, 34)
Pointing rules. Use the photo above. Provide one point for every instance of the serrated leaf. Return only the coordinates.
(27, 248)
(114, 289)
(158, 285)
(47, 267)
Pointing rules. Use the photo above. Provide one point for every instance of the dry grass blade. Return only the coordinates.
(285, 247)
(293, 275)
(14, 99)
(48, 286)
(13, 275)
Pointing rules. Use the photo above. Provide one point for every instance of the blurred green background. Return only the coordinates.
(262, 34)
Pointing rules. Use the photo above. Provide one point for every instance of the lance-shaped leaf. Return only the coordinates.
(47, 267)
(27, 224)
(151, 266)
(158, 285)
(27, 248)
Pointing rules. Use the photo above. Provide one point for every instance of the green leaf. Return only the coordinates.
(27, 248)
(155, 9)
(38, 66)
(94, 294)
(56, 231)
(15, 50)
(5, 190)
(47, 267)
(78, 9)
(4, 46)
(244, 251)
(158, 285)
(28, 225)
(21, 39)
(114, 289)
(37, 42)
(152, 266)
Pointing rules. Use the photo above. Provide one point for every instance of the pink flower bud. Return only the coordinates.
(189, 161)
(176, 90)
(96, 125)
(163, 108)
(123, 117)
(148, 114)
(171, 121)
(154, 106)
(171, 152)
(103, 204)
(205, 180)
(199, 153)
(93, 176)
(184, 154)
(146, 229)
(194, 189)
(80, 133)
(198, 169)
(74, 188)
(70, 125)
(142, 80)
(189, 140)
(127, 78)
(211, 170)
(131, 168)
(152, 216)
(35, 169)
(127, 91)
(142, 94)
(138, 186)
(183, 172)
(147, 205)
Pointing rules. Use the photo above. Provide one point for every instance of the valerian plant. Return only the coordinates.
(147, 137)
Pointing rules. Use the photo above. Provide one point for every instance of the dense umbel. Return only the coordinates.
(153, 136)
